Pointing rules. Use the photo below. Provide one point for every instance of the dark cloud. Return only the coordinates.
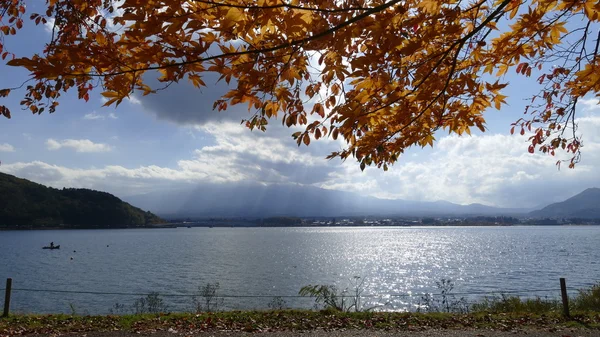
(184, 104)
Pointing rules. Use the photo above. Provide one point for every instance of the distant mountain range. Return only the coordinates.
(25, 204)
(28, 204)
(585, 205)
(253, 200)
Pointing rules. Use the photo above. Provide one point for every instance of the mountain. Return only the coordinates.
(26, 204)
(255, 200)
(585, 205)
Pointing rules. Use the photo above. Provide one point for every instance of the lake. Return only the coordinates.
(404, 261)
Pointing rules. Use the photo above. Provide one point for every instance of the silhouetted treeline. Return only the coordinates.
(280, 222)
(25, 204)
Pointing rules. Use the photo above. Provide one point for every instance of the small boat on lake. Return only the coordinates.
(52, 246)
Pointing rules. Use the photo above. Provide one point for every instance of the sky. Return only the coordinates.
(174, 139)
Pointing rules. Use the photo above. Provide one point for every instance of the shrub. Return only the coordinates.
(118, 309)
(151, 304)
(587, 299)
(277, 303)
(208, 299)
(505, 304)
(445, 301)
(329, 297)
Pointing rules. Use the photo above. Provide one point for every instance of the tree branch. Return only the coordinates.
(282, 5)
(254, 51)
(597, 44)
(445, 53)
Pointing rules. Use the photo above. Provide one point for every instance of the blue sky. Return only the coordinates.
(174, 139)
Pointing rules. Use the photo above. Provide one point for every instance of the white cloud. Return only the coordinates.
(131, 100)
(79, 145)
(493, 169)
(112, 178)
(238, 155)
(590, 106)
(94, 116)
(134, 100)
(5, 147)
(49, 25)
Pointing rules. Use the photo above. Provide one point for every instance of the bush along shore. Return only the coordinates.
(334, 310)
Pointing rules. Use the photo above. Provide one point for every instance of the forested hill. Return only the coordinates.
(585, 205)
(25, 204)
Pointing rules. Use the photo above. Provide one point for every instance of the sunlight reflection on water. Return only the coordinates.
(279, 261)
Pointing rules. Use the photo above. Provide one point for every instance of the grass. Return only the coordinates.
(587, 300)
(500, 312)
(514, 304)
(294, 320)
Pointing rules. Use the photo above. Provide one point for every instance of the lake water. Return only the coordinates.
(279, 261)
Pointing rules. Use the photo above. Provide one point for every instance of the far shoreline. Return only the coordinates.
(168, 226)
(28, 228)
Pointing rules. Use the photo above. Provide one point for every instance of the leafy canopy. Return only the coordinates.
(384, 75)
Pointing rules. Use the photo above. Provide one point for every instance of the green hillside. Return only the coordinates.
(25, 204)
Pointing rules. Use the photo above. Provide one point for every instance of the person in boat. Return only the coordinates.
(52, 244)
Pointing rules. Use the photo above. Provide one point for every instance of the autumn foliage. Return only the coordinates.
(381, 75)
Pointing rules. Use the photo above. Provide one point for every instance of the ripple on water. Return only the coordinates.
(279, 261)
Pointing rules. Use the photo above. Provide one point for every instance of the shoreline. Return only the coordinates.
(85, 228)
(169, 226)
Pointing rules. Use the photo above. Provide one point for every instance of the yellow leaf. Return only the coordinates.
(498, 100)
(233, 16)
(110, 94)
(502, 70)
(164, 74)
(591, 9)
(307, 17)
(430, 6)
(555, 33)
(196, 80)
(376, 83)
(489, 68)
(515, 9)
(110, 101)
